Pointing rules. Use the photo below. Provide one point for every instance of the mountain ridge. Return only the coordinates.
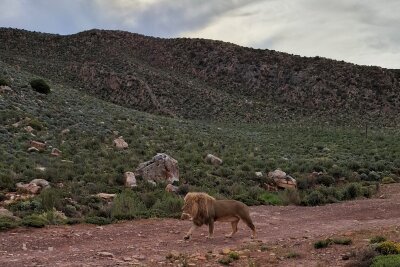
(205, 79)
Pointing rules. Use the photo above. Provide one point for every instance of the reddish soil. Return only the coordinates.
(285, 238)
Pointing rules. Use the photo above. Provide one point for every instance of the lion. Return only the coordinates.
(201, 208)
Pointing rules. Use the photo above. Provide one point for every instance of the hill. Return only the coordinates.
(348, 160)
(205, 79)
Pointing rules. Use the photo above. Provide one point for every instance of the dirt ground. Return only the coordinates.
(285, 238)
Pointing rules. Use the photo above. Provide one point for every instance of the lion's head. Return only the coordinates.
(196, 205)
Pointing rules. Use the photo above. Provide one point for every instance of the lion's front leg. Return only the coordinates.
(189, 234)
(210, 229)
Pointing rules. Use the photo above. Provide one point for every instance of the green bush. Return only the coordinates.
(290, 196)
(270, 198)
(314, 198)
(388, 247)
(233, 255)
(388, 180)
(377, 239)
(322, 243)
(168, 206)
(40, 86)
(351, 191)
(386, 261)
(7, 223)
(127, 205)
(50, 198)
(98, 220)
(34, 220)
(342, 241)
(4, 82)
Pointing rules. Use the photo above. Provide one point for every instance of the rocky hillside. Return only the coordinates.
(204, 79)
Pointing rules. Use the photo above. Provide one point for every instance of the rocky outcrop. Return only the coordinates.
(171, 188)
(160, 168)
(55, 152)
(105, 196)
(38, 145)
(214, 160)
(34, 187)
(282, 180)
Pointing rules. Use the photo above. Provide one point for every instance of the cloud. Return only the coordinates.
(363, 32)
(359, 31)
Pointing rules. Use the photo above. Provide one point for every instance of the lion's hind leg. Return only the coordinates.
(234, 227)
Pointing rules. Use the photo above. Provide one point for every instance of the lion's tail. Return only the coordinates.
(245, 216)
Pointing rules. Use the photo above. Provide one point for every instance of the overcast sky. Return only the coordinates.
(365, 32)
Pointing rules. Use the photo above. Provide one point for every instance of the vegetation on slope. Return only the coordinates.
(208, 80)
(90, 164)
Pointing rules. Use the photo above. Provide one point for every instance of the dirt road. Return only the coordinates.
(147, 242)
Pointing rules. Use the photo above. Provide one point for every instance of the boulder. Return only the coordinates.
(33, 149)
(213, 160)
(40, 182)
(129, 179)
(28, 128)
(259, 174)
(28, 188)
(120, 143)
(39, 145)
(65, 131)
(171, 188)
(282, 180)
(34, 187)
(5, 212)
(160, 168)
(55, 152)
(5, 89)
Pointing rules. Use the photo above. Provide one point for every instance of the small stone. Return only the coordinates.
(225, 251)
(105, 254)
(24, 246)
(50, 248)
(127, 258)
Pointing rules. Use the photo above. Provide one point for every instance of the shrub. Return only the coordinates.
(290, 196)
(388, 247)
(98, 220)
(342, 241)
(4, 82)
(314, 198)
(40, 86)
(322, 243)
(377, 239)
(7, 223)
(127, 205)
(270, 198)
(351, 191)
(50, 198)
(388, 180)
(225, 261)
(168, 206)
(325, 179)
(34, 220)
(292, 255)
(386, 261)
(233, 255)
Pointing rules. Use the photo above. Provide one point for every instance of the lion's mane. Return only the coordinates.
(199, 204)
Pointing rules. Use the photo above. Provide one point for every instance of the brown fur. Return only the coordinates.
(204, 209)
